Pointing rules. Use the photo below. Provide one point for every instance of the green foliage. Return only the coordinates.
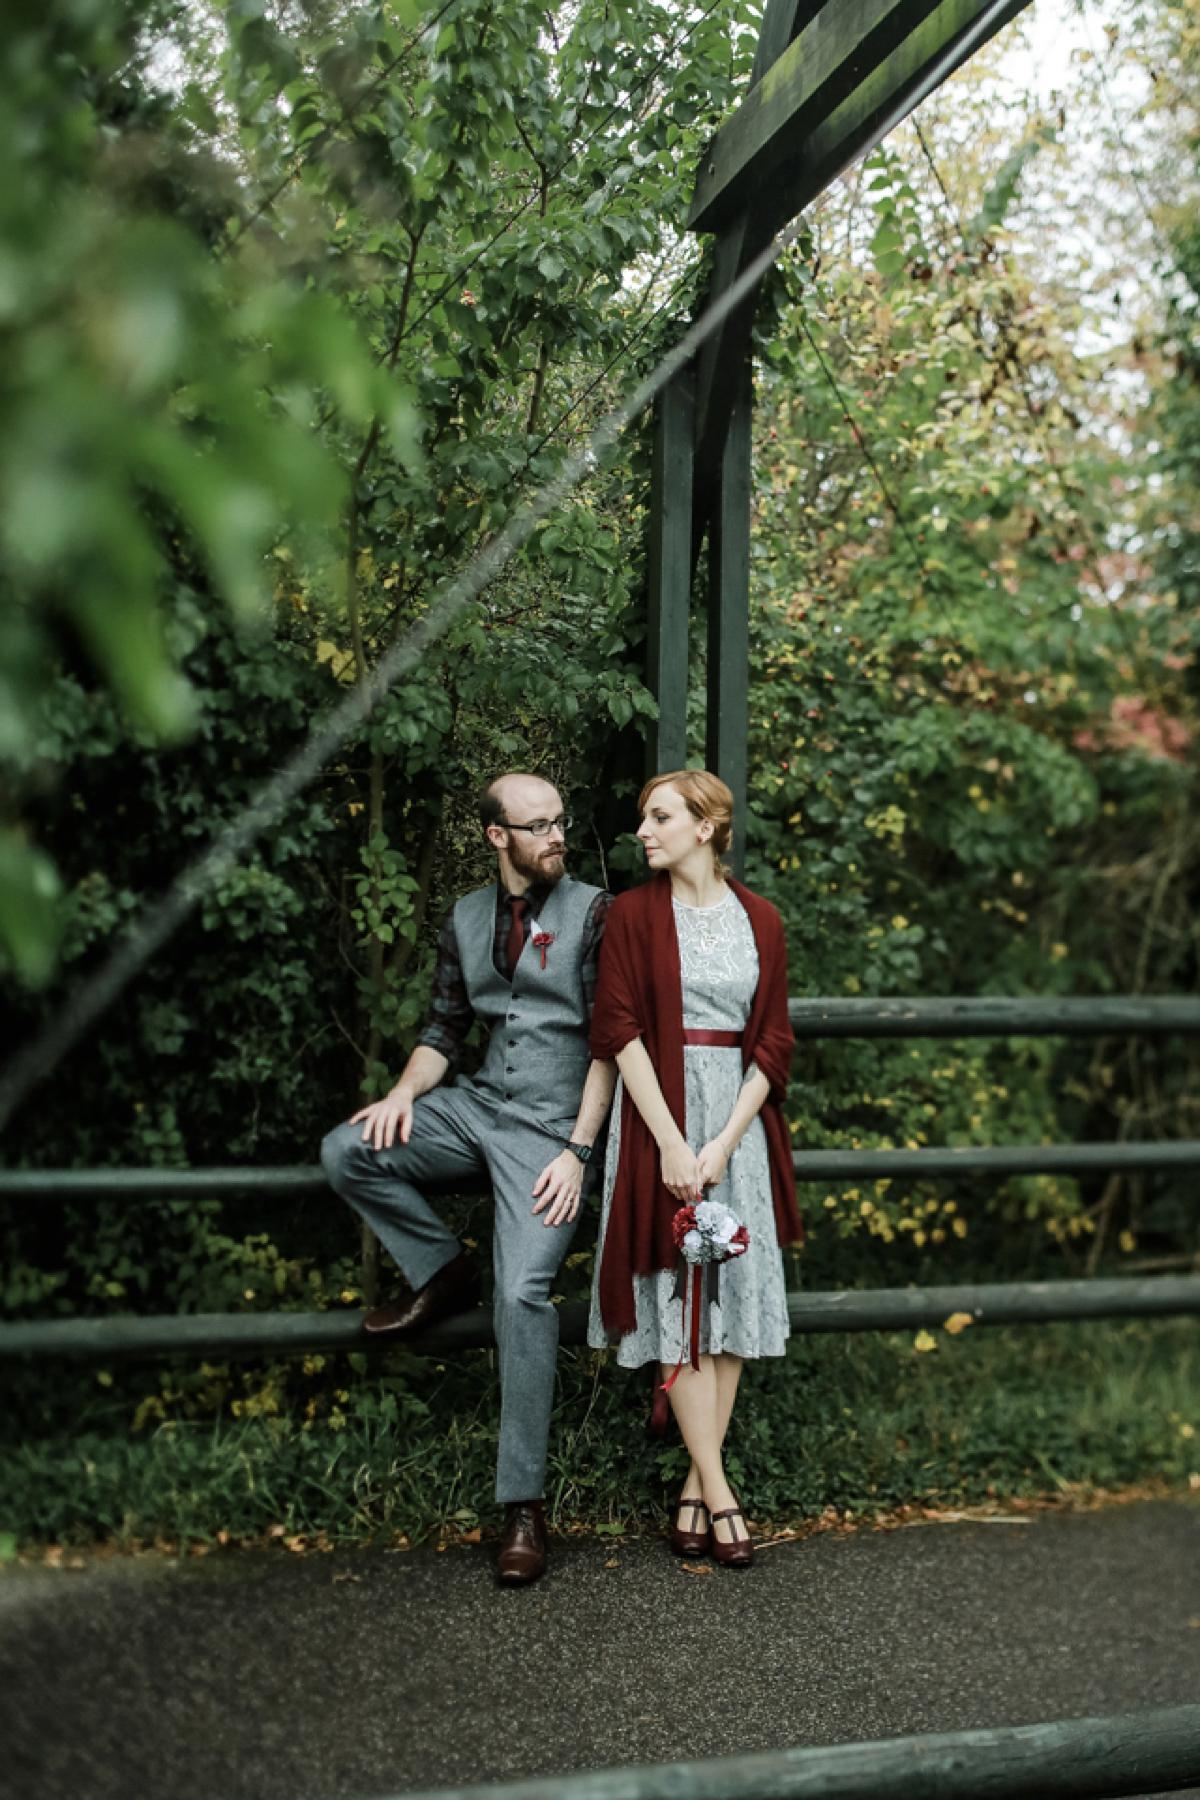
(972, 711)
(971, 742)
(149, 385)
(880, 1423)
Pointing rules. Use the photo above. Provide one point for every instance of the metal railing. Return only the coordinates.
(1154, 1015)
(283, 1333)
(851, 1309)
(1068, 1759)
(303, 1180)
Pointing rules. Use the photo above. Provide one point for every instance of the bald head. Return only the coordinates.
(510, 803)
(523, 798)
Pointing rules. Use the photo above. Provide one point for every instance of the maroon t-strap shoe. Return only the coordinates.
(739, 1552)
(692, 1539)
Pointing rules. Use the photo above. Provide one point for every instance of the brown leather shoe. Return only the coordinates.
(692, 1539)
(455, 1288)
(523, 1546)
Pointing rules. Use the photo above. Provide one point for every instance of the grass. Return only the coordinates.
(858, 1424)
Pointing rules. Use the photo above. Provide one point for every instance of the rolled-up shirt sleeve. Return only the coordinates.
(451, 1015)
(593, 937)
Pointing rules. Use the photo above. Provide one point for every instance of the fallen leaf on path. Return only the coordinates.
(696, 1568)
(612, 1563)
(473, 1537)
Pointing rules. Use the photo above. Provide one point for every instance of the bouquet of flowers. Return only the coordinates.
(707, 1235)
(707, 1232)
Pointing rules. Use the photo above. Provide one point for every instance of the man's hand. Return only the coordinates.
(681, 1172)
(712, 1163)
(383, 1118)
(560, 1184)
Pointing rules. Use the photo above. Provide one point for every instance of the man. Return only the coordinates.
(520, 955)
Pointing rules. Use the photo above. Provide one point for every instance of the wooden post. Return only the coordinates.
(728, 615)
(670, 573)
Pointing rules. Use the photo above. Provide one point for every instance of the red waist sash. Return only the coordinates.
(727, 1040)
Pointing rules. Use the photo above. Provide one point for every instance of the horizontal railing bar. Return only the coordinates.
(993, 1159)
(1068, 1759)
(305, 1181)
(246, 1334)
(1000, 1016)
(994, 1303)
(852, 1309)
(296, 1181)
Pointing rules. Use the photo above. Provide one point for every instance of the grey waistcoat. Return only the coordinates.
(537, 1057)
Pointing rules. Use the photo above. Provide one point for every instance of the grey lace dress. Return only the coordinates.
(719, 964)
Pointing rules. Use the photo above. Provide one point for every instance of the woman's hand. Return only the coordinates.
(681, 1172)
(712, 1163)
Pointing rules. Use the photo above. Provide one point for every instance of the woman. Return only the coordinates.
(691, 1001)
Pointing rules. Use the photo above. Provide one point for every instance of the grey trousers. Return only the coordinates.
(458, 1136)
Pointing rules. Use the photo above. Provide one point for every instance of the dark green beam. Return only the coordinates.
(996, 1161)
(811, 1165)
(885, 95)
(783, 20)
(302, 1182)
(1069, 1759)
(954, 1016)
(940, 43)
(727, 727)
(840, 46)
(670, 574)
(110, 1339)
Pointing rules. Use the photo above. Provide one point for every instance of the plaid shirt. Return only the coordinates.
(450, 1012)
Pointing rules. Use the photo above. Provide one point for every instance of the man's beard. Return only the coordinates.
(539, 872)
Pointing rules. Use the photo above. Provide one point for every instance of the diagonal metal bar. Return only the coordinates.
(146, 936)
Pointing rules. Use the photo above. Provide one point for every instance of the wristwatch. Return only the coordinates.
(582, 1151)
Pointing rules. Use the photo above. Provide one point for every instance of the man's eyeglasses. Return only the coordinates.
(542, 827)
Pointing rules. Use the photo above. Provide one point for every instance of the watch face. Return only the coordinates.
(582, 1151)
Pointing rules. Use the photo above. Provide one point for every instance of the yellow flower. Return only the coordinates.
(958, 1322)
(923, 1341)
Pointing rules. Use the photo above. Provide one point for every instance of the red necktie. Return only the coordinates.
(516, 935)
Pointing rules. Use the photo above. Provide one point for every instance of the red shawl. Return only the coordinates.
(639, 993)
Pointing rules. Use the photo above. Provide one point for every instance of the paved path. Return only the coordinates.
(284, 1678)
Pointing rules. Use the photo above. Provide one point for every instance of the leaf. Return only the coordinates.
(1003, 191)
(30, 921)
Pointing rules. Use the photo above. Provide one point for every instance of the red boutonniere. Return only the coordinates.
(540, 941)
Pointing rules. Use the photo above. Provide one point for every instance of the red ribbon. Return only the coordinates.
(691, 1297)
